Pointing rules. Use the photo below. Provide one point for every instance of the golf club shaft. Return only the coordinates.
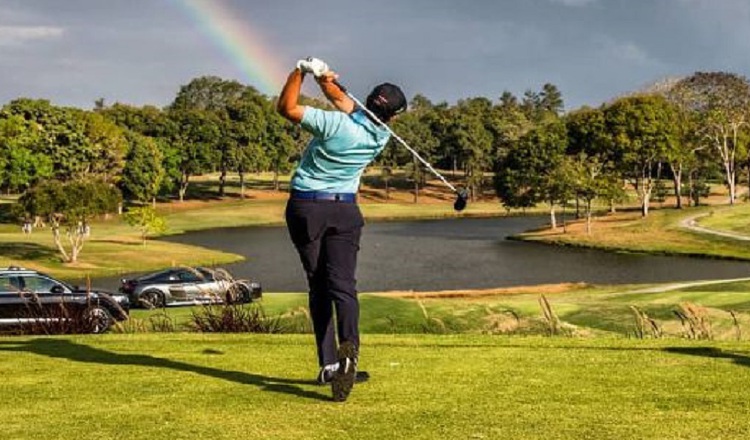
(397, 137)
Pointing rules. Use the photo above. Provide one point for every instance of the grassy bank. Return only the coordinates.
(187, 386)
(111, 250)
(659, 233)
(192, 216)
(728, 219)
(723, 308)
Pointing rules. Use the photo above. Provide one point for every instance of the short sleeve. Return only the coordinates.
(321, 123)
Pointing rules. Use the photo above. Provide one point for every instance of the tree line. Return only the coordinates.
(687, 131)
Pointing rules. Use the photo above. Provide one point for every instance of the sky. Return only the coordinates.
(139, 52)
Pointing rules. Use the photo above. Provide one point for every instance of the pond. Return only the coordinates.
(452, 254)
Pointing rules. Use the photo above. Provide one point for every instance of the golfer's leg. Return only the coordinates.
(341, 247)
(321, 312)
(306, 230)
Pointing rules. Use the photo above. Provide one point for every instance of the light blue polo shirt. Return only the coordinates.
(342, 146)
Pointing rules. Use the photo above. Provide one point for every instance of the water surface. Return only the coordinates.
(453, 254)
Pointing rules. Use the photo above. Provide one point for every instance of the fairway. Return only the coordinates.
(191, 386)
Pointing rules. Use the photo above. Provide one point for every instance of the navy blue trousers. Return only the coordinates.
(326, 235)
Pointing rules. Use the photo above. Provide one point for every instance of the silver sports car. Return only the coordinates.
(189, 286)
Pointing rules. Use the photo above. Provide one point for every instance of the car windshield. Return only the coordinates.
(158, 276)
(206, 273)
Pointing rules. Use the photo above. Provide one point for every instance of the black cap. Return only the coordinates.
(386, 101)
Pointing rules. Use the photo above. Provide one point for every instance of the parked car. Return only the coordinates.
(31, 299)
(179, 286)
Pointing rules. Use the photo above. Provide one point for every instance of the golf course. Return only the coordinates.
(549, 361)
(487, 220)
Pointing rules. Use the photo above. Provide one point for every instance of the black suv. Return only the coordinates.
(33, 300)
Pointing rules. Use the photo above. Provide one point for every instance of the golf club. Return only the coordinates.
(462, 195)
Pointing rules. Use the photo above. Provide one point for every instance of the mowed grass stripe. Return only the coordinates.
(181, 386)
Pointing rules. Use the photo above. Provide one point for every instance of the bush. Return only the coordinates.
(235, 318)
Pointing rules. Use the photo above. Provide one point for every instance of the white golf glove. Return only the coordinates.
(312, 65)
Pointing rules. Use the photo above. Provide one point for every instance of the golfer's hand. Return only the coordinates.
(313, 65)
(329, 76)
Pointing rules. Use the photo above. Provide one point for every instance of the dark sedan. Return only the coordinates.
(34, 301)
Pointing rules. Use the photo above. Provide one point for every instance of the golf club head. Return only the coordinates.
(462, 196)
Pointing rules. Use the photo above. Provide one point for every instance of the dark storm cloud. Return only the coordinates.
(140, 51)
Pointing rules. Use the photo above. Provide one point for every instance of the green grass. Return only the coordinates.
(112, 249)
(731, 219)
(271, 212)
(659, 233)
(475, 382)
(189, 386)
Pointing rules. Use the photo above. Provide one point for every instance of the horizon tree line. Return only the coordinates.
(693, 130)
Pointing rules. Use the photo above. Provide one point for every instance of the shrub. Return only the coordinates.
(235, 318)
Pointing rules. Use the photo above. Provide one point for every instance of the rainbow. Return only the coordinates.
(243, 46)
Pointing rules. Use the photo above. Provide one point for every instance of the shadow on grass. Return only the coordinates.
(711, 352)
(63, 349)
(26, 251)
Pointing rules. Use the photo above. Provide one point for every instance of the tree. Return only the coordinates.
(208, 93)
(722, 102)
(20, 165)
(528, 174)
(507, 124)
(147, 120)
(471, 138)
(279, 146)
(643, 128)
(586, 173)
(414, 129)
(143, 173)
(531, 104)
(682, 154)
(147, 220)
(551, 100)
(24, 168)
(194, 139)
(246, 127)
(107, 147)
(62, 135)
(589, 137)
(70, 207)
(245, 118)
(560, 187)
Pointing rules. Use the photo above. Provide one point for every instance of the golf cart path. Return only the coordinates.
(691, 223)
(677, 286)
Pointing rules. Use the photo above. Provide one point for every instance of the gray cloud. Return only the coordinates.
(574, 3)
(15, 35)
(141, 51)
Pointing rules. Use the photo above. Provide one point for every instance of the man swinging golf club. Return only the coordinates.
(322, 215)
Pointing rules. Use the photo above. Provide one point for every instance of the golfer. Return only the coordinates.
(322, 215)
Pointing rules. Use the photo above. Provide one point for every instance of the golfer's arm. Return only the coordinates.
(335, 95)
(288, 104)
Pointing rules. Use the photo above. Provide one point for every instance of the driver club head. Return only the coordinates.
(462, 196)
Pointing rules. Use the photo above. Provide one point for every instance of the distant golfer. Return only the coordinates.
(322, 215)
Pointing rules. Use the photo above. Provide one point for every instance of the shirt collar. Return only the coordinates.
(359, 116)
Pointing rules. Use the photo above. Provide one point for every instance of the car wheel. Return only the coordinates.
(152, 299)
(97, 319)
(241, 293)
